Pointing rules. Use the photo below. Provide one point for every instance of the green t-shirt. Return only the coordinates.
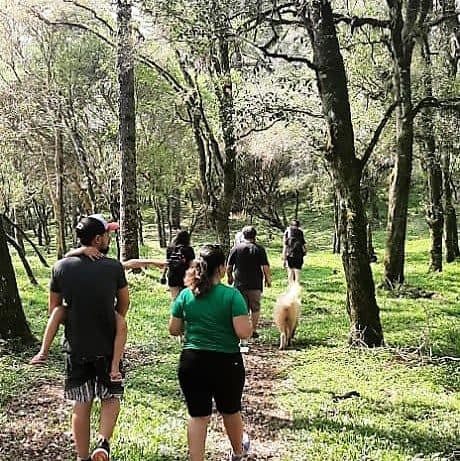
(208, 319)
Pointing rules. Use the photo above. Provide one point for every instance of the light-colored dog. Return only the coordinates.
(286, 314)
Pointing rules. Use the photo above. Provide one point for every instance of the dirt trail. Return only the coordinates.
(34, 422)
(33, 427)
(265, 366)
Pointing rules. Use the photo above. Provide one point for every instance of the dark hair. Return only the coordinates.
(202, 269)
(249, 232)
(181, 238)
(88, 228)
(295, 223)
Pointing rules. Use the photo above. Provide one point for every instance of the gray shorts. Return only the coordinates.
(252, 298)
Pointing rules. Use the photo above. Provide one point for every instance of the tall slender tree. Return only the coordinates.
(406, 19)
(129, 246)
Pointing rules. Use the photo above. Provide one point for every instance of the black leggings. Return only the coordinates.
(204, 375)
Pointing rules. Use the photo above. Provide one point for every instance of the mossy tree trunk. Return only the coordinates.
(346, 171)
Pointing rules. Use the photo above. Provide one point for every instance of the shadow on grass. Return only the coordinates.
(409, 439)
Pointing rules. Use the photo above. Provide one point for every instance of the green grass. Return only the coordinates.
(405, 408)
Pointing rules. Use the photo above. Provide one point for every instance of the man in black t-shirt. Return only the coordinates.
(247, 268)
(91, 291)
(294, 250)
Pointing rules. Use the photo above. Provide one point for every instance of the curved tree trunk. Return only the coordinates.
(346, 170)
(129, 246)
(13, 323)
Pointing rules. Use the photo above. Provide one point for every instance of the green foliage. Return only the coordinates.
(408, 402)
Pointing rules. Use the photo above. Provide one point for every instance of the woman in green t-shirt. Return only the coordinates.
(213, 317)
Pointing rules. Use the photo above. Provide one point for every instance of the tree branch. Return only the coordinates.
(377, 133)
(258, 130)
(445, 104)
(93, 13)
(288, 58)
(141, 58)
(355, 21)
(440, 19)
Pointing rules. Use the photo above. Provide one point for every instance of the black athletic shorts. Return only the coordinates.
(208, 375)
(89, 377)
(294, 263)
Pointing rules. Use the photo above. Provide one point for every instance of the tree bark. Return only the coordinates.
(13, 323)
(346, 170)
(450, 224)
(402, 35)
(59, 194)
(432, 163)
(129, 245)
(337, 238)
(446, 146)
(224, 89)
(175, 209)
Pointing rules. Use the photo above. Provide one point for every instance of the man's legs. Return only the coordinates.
(81, 427)
(253, 299)
(110, 410)
(196, 435)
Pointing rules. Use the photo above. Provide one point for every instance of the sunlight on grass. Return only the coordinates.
(405, 407)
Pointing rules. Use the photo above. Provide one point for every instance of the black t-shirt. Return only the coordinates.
(294, 236)
(89, 289)
(176, 272)
(247, 259)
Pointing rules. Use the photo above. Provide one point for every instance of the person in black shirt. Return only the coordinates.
(91, 291)
(247, 268)
(179, 256)
(294, 250)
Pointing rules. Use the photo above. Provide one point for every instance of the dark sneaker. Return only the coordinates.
(102, 451)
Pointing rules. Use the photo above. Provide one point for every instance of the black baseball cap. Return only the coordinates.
(93, 225)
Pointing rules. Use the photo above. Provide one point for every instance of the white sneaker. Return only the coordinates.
(246, 446)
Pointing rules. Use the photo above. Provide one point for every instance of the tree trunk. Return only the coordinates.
(449, 27)
(370, 245)
(434, 211)
(404, 21)
(59, 194)
(175, 209)
(19, 220)
(450, 230)
(127, 134)
(346, 170)
(13, 323)
(23, 258)
(160, 224)
(337, 227)
(224, 88)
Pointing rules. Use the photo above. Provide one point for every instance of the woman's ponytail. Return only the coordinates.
(199, 276)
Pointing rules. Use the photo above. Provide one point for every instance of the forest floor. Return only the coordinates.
(406, 399)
